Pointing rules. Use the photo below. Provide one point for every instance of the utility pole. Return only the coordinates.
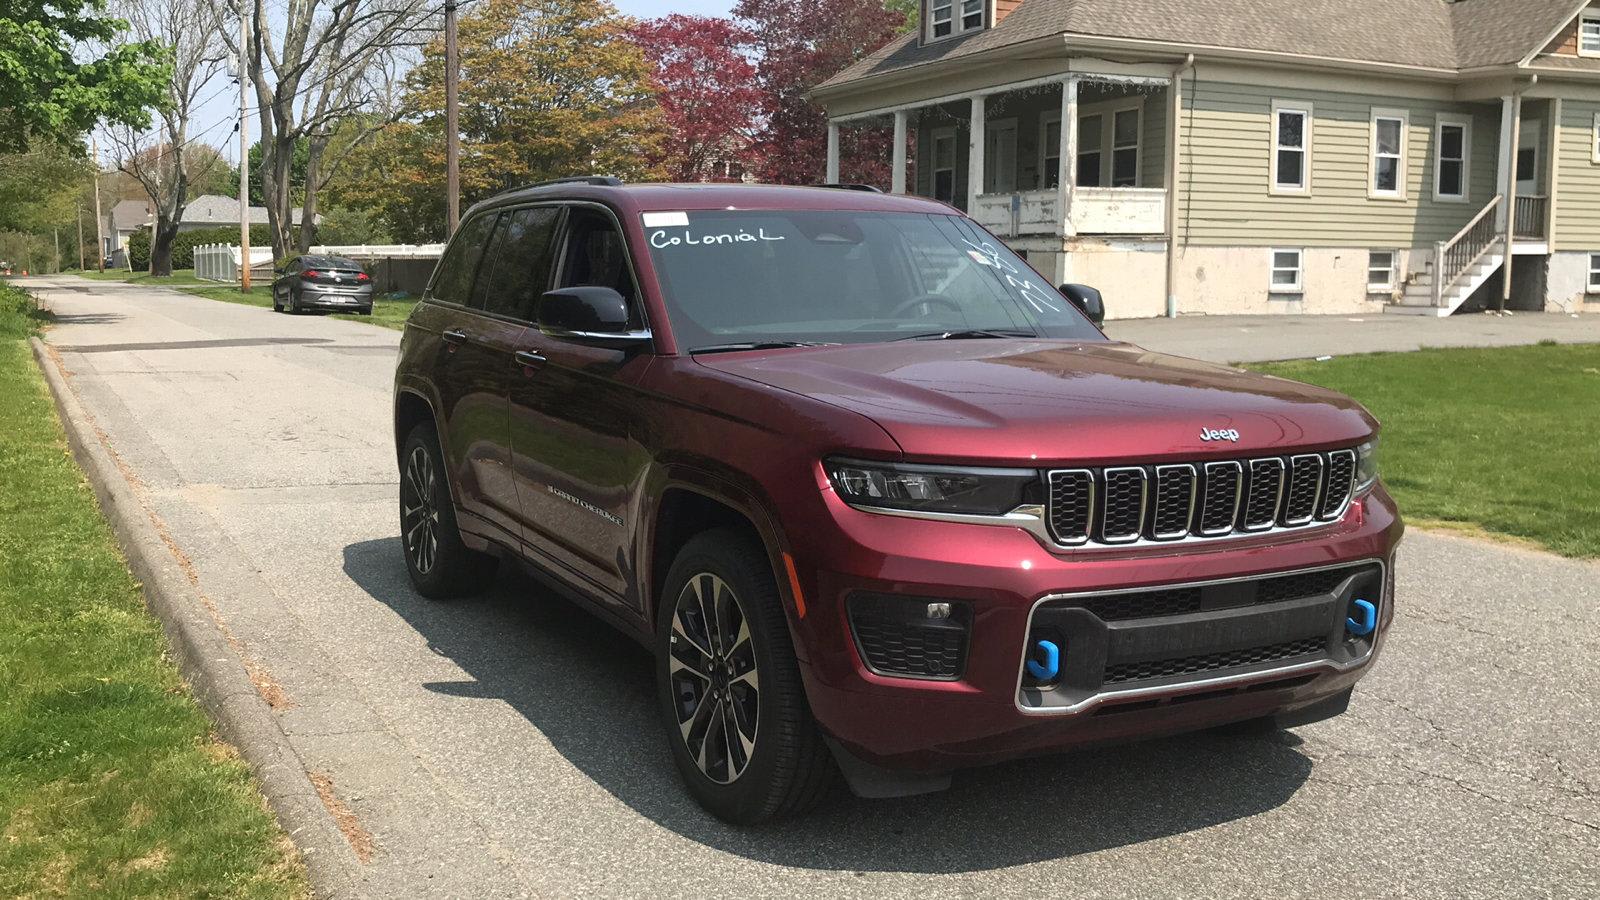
(99, 223)
(58, 249)
(80, 237)
(452, 123)
(244, 155)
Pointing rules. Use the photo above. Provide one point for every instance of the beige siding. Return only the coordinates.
(1578, 180)
(1226, 198)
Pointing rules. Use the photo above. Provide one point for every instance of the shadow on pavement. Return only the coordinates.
(589, 690)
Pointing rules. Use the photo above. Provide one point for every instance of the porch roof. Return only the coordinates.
(1430, 34)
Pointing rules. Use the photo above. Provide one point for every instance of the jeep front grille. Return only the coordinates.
(1170, 502)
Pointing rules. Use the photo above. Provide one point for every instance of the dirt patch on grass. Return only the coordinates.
(360, 840)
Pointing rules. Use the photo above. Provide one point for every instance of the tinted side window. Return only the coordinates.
(521, 263)
(596, 255)
(453, 283)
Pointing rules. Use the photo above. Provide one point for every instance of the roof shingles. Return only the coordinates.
(1433, 34)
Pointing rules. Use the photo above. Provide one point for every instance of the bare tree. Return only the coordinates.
(326, 75)
(161, 158)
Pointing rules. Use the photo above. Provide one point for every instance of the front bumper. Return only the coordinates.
(1006, 578)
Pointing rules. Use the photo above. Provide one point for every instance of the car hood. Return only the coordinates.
(1053, 401)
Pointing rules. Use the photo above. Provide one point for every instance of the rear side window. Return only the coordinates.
(518, 268)
(453, 283)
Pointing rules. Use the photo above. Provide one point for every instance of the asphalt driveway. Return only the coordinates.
(506, 746)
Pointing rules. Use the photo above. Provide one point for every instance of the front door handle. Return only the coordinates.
(529, 360)
(455, 337)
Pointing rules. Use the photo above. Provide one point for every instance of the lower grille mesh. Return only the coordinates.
(1122, 673)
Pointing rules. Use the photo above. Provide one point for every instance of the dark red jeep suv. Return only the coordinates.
(882, 500)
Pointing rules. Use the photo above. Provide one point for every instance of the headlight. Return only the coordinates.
(963, 491)
(1366, 465)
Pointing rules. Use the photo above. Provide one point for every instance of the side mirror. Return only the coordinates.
(595, 315)
(1087, 300)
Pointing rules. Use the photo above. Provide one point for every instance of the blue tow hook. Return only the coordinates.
(1369, 619)
(1047, 670)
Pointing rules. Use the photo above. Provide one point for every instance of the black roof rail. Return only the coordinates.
(597, 180)
(840, 186)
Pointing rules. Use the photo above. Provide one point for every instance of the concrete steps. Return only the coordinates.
(1418, 297)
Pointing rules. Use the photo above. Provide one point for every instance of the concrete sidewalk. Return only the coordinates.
(1229, 339)
(508, 745)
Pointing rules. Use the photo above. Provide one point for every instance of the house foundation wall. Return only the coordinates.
(1567, 283)
(1130, 275)
(1236, 281)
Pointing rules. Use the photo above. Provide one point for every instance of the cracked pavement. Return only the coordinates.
(507, 746)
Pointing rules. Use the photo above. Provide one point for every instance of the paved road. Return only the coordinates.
(507, 746)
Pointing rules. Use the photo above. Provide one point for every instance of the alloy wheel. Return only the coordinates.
(715, 685)
(419, 514)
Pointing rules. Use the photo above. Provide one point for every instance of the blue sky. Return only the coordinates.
(215, 117)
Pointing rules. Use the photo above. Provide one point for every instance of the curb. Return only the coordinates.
(210, 666)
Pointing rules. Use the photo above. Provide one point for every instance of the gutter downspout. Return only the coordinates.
(1511, 187)
(1174, 169)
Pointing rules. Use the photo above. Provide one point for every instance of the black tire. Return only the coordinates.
(788, 769)
(277, 305)
(440, 565)
(366, 310)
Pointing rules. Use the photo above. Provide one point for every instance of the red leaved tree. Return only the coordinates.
(708, 94)
(802, 43)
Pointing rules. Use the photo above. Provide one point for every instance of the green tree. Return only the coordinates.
(549, 88)
(53, 87)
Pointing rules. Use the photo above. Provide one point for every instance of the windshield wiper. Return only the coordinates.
(965, 335)
(759, 345)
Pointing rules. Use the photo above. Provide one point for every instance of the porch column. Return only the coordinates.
(1067, 175)
(897, 182)
(976, 133)
(1511, 197)
(833, 153)
(1508, 162)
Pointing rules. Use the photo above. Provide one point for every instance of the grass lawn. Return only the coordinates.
(386, 313)
(1503, 440)
(111, 780)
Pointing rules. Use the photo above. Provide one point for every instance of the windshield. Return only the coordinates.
(828, 276)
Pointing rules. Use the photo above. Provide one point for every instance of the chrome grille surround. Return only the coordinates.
(1125, 505)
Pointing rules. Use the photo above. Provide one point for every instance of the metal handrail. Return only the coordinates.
(1464, 250)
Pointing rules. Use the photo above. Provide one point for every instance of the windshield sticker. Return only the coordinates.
(663, 239)
(1041, 299)
(666, 220)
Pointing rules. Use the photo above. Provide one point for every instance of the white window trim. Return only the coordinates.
(1107, 111)
(1045, 150)
(1465, 124)
(956, 29)
(1594, 270)
(1594, 140)
(1299, 285)
(1304, 190)
(1394, 272)
(1401, 167)
(1588, 15)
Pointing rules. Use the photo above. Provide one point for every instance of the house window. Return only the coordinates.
(1091, 133)
(1125, 148)
(1050, 152)
(1594, 273)
(1291, 148)
(1380, 270)
(1594, 140)
(1452, 146)
(944, 165)
(945, 20)
(1286, 272)
(1589, 34)
(1388, 153)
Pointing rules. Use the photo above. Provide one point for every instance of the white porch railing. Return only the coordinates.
(1114, 211)
(1025, 212)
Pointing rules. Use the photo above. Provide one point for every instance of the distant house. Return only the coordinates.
(121, 222)
(1346, 156)
(214, 210)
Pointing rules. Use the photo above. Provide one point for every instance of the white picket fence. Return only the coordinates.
(220, 262)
